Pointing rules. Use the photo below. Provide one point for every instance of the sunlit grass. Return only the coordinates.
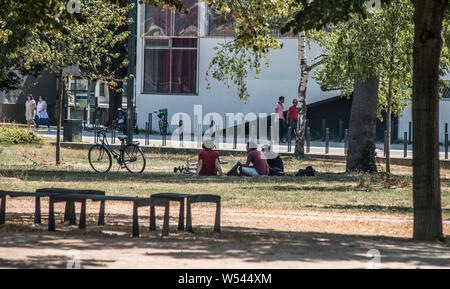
(28, 167)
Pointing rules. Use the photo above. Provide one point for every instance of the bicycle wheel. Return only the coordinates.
(134, 159)
(100, 159)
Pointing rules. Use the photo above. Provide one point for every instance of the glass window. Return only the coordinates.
(219, 25)
(184, 71)
(172, 69)
(170, 54)
(187, 24)
(160, 21)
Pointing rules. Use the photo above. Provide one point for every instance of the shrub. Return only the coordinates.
(12, 135)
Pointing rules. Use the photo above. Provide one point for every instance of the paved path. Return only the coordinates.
(317, 147)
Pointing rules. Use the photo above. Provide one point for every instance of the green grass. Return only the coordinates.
(28, 167)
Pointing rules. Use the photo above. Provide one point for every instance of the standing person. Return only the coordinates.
(30, 110)
(257, 159)
(208, 160)
(293, 116)
(282, 122)
(41, 113)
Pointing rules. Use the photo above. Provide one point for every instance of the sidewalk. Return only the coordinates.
(336, 149)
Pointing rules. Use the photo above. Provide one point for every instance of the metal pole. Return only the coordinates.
(289, 139)
(446, 145)
(180, 124)
(327, 141)
(405, 145)
(324, 124)
(385, 142)
(341, 128)
(235, 139)
(410, 133)
(147, 124)
(308, 140)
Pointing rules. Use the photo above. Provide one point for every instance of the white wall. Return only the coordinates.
(281, 79)
(444, 117)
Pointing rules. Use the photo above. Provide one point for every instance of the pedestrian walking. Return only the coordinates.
(30, 110)
(41, 113)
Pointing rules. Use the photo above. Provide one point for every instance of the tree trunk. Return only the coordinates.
(60, 114)
(388, 129)
(115, 101)
(428, 18)
(299, 151)
(363, 119)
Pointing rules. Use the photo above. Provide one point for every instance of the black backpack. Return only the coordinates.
(235, 170)
(309, 172)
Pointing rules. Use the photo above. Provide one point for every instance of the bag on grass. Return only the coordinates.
(309, 172)
(235, 170)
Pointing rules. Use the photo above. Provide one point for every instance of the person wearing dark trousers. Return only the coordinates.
(282, 122)
(41, 113)
(293, 117)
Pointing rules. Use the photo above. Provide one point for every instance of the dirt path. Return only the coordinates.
(250, 238)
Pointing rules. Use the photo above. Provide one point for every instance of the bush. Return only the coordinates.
(11, 135)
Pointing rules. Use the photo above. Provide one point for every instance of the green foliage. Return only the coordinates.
(254, 26)
(87, 44)
(380, 45)
(18, 18)
(11, 135)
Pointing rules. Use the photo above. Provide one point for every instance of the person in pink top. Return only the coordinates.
(257, 160)
(282, 122)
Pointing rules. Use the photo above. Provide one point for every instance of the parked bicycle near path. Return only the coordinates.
(130, 155)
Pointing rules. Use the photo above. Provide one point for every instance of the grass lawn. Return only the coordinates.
(28, 167)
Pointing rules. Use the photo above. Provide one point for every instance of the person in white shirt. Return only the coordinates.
(42, 114)
(30, 110)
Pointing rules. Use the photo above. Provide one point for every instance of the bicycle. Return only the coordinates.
(130, 155)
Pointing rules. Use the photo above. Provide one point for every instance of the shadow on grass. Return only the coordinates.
(62, 175)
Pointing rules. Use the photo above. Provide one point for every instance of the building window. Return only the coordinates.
(219, 25)
(170, 66)
(170, 51)
(162, 22)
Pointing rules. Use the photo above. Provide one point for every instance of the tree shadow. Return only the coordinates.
(49, 262)
(248, 245)
(62, 175)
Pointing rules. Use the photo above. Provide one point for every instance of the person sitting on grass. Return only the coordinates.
(276, 167)
(257, 159)
(208, 160)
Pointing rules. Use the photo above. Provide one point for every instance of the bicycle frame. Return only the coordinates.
(104, 142)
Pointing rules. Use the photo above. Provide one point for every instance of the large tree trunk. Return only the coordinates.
(299, 151)
(428, 18)
(363, 120)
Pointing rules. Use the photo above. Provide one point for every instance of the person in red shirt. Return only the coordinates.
(208, 160)
(293, 116)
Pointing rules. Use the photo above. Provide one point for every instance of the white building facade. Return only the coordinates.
(174, 52)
